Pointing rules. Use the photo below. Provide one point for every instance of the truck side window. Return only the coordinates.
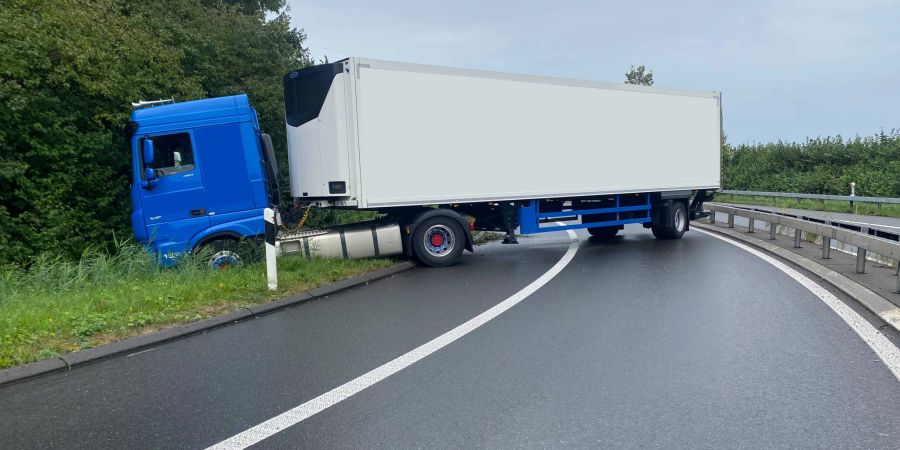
(172, 154)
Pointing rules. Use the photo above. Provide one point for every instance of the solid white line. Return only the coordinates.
(298, 414)
(883, 347)
(138, 353)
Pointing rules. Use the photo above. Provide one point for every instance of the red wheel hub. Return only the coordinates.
(437, 240)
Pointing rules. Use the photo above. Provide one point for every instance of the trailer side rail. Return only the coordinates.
(530, 216)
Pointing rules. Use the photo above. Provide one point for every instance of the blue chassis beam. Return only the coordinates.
(530, 216)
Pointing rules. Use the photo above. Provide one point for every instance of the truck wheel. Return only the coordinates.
(603, 232)
(223, 254)
(438, 242)
(677, 223)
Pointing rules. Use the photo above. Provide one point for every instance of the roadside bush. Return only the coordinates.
(68, 72)
(817, 166)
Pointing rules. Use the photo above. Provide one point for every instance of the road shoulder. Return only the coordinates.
(137, 343)
(875, 303)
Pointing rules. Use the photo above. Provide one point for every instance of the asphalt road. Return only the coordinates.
(636, 343)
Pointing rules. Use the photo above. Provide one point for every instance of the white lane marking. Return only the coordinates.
(883, 347)
(142, 351)
(296, 415)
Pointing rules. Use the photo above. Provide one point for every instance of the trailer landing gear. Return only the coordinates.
(509, 211)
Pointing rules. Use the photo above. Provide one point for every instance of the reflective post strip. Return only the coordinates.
(271, 267)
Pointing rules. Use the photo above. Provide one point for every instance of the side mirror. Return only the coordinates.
(148, 151)
(149, 178)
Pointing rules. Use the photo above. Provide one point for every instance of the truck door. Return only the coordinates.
(223, 162)
(174, 202)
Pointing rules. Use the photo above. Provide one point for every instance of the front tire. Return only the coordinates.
(438, 241)
(223, 254)
(674, 222)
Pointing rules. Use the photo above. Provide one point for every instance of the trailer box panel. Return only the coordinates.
(415, 135)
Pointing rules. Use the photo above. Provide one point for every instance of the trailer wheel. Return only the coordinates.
(676, 222)
(438, 241)
(604, 232)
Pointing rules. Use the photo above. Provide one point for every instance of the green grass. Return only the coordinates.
(868, 209)
(484, 237)
(56, 306)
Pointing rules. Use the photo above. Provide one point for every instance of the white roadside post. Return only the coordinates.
(271, 268)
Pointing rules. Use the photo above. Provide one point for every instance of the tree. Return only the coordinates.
(68, 72)
(639, 75)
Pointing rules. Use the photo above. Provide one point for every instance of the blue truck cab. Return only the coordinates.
(202, 175)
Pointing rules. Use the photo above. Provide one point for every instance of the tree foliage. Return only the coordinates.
(818, 166)
(639, 75)
(68, 72)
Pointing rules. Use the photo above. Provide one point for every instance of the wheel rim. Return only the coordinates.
(679, 219)
(439, 240)
(224, 259)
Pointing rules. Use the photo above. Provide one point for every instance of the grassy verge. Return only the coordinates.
(484, 237)
(813, 205)
(55, 306)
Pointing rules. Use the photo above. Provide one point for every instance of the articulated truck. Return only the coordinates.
(438, 152)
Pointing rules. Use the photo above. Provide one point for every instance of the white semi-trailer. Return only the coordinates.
(497, 151)
(374, 134)
(438, 151)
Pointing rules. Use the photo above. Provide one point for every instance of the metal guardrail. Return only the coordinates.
(865, 239)
(822, 197)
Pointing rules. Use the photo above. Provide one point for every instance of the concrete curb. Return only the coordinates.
(880, 306)
(130, 345)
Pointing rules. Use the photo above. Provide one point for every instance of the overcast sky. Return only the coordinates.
(786, 69)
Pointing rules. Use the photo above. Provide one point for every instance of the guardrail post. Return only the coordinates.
(860, 260)
(897, 273)
(826, 247)
(772, 231)
(731, 220)
(270, 229)
(752, 225)
(712, 217)
(796, 238)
